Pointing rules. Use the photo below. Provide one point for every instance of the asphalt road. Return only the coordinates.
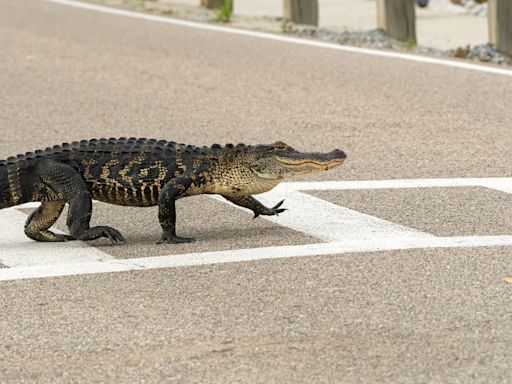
(430, 315)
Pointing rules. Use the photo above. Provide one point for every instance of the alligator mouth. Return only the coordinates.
(319, 164)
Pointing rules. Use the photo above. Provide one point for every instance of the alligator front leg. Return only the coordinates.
(255, 206)
(173, 190)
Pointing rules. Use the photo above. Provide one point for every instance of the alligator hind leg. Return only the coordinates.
(69, 187)
(43, 218)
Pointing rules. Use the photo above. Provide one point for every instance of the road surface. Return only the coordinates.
(389, 269)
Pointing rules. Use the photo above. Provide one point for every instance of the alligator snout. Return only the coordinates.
(338, 154)
(332, 159)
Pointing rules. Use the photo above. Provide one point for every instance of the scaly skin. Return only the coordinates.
(143, 173)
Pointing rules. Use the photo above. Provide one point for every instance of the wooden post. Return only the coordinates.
(301, 11)
(500, 25)
(212, 4)
(398, 19)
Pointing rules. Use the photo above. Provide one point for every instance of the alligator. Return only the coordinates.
(145, 172)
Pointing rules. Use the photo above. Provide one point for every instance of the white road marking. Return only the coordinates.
(286, 39)
(330, 222)
(500, 183)
(250, 254)
(17, 250)
(360, 233)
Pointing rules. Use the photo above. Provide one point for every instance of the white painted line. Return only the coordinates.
(17, 250)
(31, 205)
(500, 183)
(330, 222)
(250, 254)
(342, 247)
(333, 223)
(368, 234)
(45, 271)
(286, 39)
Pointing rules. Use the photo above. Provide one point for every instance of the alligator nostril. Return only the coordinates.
(339, 153)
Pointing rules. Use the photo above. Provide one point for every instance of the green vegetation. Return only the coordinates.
(286, 26)
(410, 43)
(223, 13)
(167, 11)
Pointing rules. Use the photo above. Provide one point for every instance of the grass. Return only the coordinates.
(223, 13)
(286, 26)
(410, 43)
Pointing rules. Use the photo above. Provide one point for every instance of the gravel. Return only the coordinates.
(487, 53)
(376, 38)
(474, 8)
(466, 7)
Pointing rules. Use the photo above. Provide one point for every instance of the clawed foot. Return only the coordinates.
(48, 236)
(171, 238)
(64, 237)
(103, 231)
(275, 210)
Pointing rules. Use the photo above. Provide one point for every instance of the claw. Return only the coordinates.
(275, 210)
(119, 239)
(171, 238)
(115, 238)
(110, 233)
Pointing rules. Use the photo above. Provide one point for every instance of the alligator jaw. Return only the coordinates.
(313, 161)
(285, 165)
(320, 165)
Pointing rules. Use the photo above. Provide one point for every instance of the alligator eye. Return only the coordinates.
(281, 146)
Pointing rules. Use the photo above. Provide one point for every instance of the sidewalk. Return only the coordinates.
(437, 27)
(441, 25)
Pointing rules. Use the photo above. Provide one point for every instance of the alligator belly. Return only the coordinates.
(143, 196)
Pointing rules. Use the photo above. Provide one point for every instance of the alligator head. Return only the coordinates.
(245, 169)
(279, 161)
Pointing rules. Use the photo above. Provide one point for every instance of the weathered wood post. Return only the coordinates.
(500, 25)
(398, 19)
(301, 11)
(212, 4)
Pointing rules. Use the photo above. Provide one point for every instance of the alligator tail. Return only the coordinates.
(5, 187)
